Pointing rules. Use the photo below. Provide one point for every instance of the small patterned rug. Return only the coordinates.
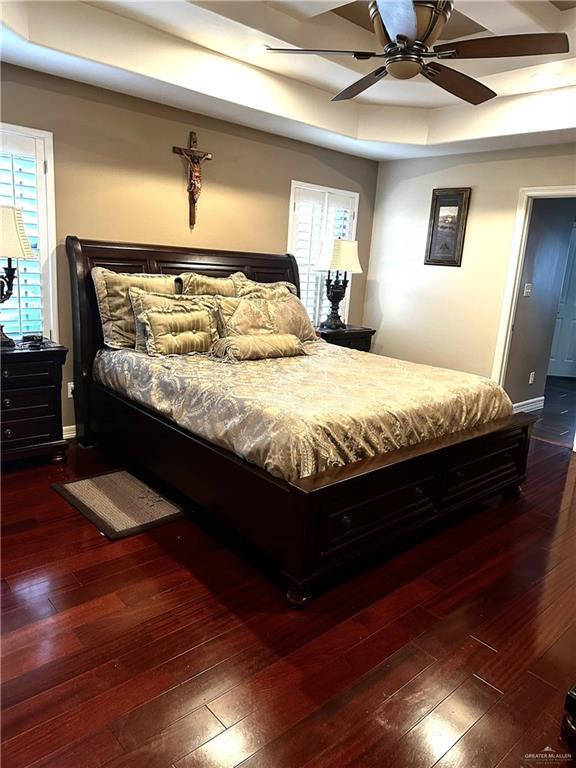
(118, 504)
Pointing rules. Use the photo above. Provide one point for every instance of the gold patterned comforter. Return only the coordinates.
(297, 416)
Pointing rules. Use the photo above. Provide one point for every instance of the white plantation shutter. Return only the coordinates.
(317, 215)
(23, 184)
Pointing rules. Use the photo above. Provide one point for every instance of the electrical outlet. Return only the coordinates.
(531, 377)
(70, 389)
(527, 290)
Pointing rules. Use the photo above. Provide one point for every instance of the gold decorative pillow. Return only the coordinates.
(116, 316)
(250, 316)
(288, 315)
(246, 287)
(241, 317)
(257, 347)
(195, 284)
(178, 331)
(144, 300)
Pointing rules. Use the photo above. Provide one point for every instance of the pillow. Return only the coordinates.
(178, 330)
(246, 287)
(116, 316)
(257, 347)
(144, 300)
(197, 285)
(246, 316)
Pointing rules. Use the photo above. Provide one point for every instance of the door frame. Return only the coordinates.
(510, 300)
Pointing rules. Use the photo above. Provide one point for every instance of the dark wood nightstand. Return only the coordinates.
(352, 336)
(31, 381)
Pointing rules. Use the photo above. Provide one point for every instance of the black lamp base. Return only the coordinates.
(335, 291)
(5, 341)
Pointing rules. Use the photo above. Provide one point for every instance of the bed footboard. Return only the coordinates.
(316, 528)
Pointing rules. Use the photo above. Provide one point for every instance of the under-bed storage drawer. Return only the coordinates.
(402, 503)
(474, 475)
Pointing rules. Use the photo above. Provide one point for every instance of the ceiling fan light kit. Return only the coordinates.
(406, 30)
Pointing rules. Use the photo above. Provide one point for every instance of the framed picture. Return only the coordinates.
(448, 216)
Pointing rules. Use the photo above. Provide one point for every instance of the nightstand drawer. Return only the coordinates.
(28, 431)
(30, 374)
(28, 403)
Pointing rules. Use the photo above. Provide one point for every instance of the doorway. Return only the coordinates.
(541, 367)
(558, 416)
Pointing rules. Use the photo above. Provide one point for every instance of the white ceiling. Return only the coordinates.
(204, 56)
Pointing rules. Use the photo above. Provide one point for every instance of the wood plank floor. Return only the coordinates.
(557, 423)
(166, 650)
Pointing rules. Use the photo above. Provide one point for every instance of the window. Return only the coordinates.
(317, 215)
(26, 181)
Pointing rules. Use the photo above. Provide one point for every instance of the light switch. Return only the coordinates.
(527, 290)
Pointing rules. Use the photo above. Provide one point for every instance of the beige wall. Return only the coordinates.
(449, 316)
(117, 179)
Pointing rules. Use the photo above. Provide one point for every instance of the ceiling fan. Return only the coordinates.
(406, 31)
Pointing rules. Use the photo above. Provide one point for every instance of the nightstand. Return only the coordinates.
(352, 336)
(31, 381)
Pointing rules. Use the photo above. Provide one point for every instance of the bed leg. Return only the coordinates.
(298, 598)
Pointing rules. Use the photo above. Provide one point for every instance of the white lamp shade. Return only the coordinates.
(340, 255)
(14, 243)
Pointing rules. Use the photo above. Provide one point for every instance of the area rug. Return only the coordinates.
(118, 504)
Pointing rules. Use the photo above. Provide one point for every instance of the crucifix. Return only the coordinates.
(193, 158)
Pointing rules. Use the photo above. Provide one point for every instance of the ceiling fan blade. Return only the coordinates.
(399, 18)
(506, 45)
(457, 83)
(325, 52)
(361, 85)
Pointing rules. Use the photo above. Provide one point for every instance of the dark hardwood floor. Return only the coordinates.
(557, 422)
(165, 649)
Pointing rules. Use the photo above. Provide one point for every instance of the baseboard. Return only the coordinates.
(530, 405)
(69, 433)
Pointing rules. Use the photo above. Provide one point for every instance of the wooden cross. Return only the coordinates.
(193, 158)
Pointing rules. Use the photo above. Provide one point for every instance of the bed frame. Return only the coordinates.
(310, 528)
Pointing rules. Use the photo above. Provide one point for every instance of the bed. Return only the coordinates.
(308, 503)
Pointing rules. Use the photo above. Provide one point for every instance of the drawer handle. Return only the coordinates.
(460, 475)
(6, 402)
(508, 456)
(346, 520)
(8, 433)
(5, 373)
(419, 490)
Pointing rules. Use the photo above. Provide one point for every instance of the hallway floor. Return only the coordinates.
(558, 417)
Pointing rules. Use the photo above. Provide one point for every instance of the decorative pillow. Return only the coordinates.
(247, 316)
(241, 317)
(246, 287)
(144, 300)
(116, 316)
(196, 284)
(257, 347)
(178, 331)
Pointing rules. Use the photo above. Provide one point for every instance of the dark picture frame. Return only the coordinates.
(448, 215)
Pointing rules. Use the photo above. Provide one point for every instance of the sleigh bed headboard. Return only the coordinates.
(83, 255)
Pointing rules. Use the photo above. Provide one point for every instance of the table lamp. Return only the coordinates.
(340, 256)
(14, 244)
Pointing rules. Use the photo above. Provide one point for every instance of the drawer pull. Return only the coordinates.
(8, 433)
(5, 373)
(346, 520)
(460, 475)
(419, 490)
(6, 402)
(508, 456)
